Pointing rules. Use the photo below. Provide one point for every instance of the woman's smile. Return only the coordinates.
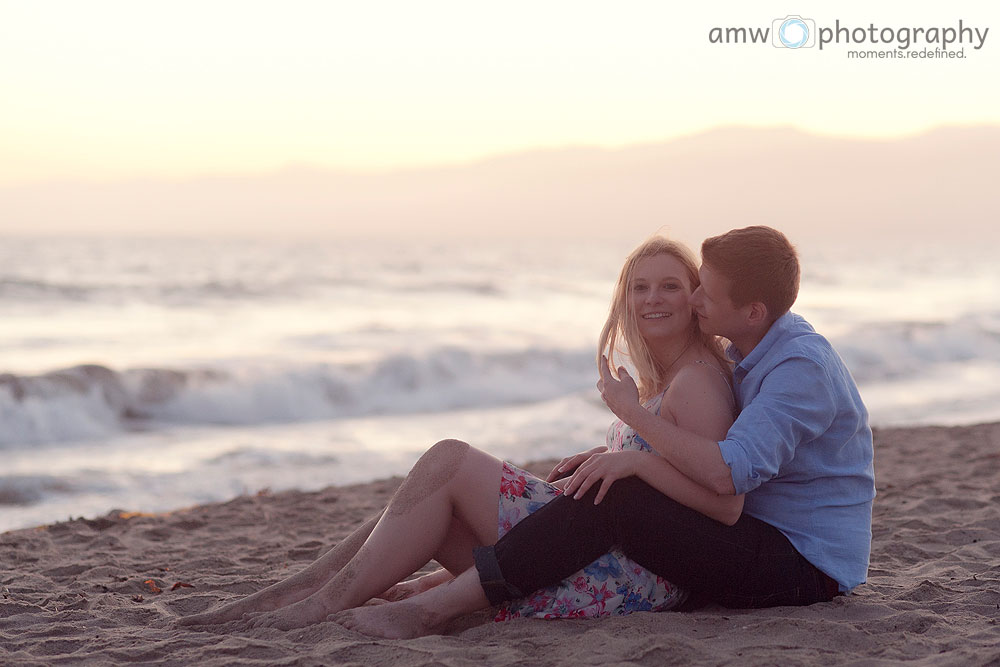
(659, 291)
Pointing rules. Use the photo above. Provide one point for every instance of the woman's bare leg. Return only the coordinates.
(296, 587)
(423, 614)
(451, 480)
(456, 557)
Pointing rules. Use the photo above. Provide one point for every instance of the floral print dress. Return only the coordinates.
(613, 585)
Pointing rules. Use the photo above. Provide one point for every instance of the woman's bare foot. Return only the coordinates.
(392, 620)
(401, 591)
(425, 614)
(214, 617)
(262, 601)
(297, 615)
(229, 612)
(407, 589)
(297, 587)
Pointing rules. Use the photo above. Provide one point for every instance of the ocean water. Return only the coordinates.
(152, 374)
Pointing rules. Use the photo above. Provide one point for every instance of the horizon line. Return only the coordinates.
(317, 167)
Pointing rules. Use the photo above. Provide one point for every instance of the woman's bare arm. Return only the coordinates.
(687, 439)
(698, 401)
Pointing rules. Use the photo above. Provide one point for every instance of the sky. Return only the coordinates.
(108, 91)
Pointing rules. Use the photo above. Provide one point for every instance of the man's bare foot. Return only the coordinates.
(393, 620)
(297, 615)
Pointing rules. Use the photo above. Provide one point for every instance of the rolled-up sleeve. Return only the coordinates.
(794, 405)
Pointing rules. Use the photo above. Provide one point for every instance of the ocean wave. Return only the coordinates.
(19, 290)
(900, 350)
(92, 401)
(255, 457)
(233, 289)
(29, 489)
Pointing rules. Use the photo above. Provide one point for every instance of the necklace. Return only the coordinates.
(677, 358)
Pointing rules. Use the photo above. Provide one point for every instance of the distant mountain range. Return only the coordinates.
(940, 182)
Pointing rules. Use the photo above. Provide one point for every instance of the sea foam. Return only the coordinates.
(91, 401)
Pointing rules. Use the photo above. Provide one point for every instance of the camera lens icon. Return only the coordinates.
(793, 32)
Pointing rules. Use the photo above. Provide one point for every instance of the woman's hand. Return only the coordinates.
(621, 395)
(560, 483)
(565, 467)
(605, 468)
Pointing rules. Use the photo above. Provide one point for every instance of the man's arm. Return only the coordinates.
(656, 471)
(695, 456)
(794, 405)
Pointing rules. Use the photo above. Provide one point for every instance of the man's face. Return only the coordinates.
(716, 312)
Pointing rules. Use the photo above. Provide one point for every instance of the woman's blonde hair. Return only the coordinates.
(621, 331)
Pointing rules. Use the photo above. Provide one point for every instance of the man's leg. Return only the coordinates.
(750, 564)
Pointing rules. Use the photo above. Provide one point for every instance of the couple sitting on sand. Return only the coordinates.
(683, 503)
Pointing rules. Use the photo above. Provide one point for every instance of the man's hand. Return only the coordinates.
(605, 468)
(565, 467)
(621, 395)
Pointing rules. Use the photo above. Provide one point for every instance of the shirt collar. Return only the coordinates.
(745, 364)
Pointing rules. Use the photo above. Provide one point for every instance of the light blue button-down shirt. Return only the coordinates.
(801, 448)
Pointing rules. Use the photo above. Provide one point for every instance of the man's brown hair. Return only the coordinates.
(760, 265)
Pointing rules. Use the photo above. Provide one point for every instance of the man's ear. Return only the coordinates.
(757, 314)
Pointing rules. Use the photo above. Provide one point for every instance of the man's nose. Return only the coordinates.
(695, 297)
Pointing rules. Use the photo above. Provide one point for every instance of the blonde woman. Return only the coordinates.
(457, 497)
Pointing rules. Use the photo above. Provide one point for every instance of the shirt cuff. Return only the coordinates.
(739, 465)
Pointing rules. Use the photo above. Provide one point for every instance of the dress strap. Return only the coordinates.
(717, 370)
(659, 400)
(725, 378)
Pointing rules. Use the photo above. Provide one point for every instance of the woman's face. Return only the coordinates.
(659, 291)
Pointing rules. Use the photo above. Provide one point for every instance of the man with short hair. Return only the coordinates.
(800, 450)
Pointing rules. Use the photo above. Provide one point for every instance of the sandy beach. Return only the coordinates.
(108, 590)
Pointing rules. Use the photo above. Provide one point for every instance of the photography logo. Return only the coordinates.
(793, 32)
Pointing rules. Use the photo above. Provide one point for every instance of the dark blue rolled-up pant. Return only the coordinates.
(749, 564)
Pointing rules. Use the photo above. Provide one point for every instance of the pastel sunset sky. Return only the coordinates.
(113, 90)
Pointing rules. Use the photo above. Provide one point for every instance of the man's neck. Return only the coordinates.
(746, 344)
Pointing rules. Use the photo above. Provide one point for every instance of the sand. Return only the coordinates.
(85, 591)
